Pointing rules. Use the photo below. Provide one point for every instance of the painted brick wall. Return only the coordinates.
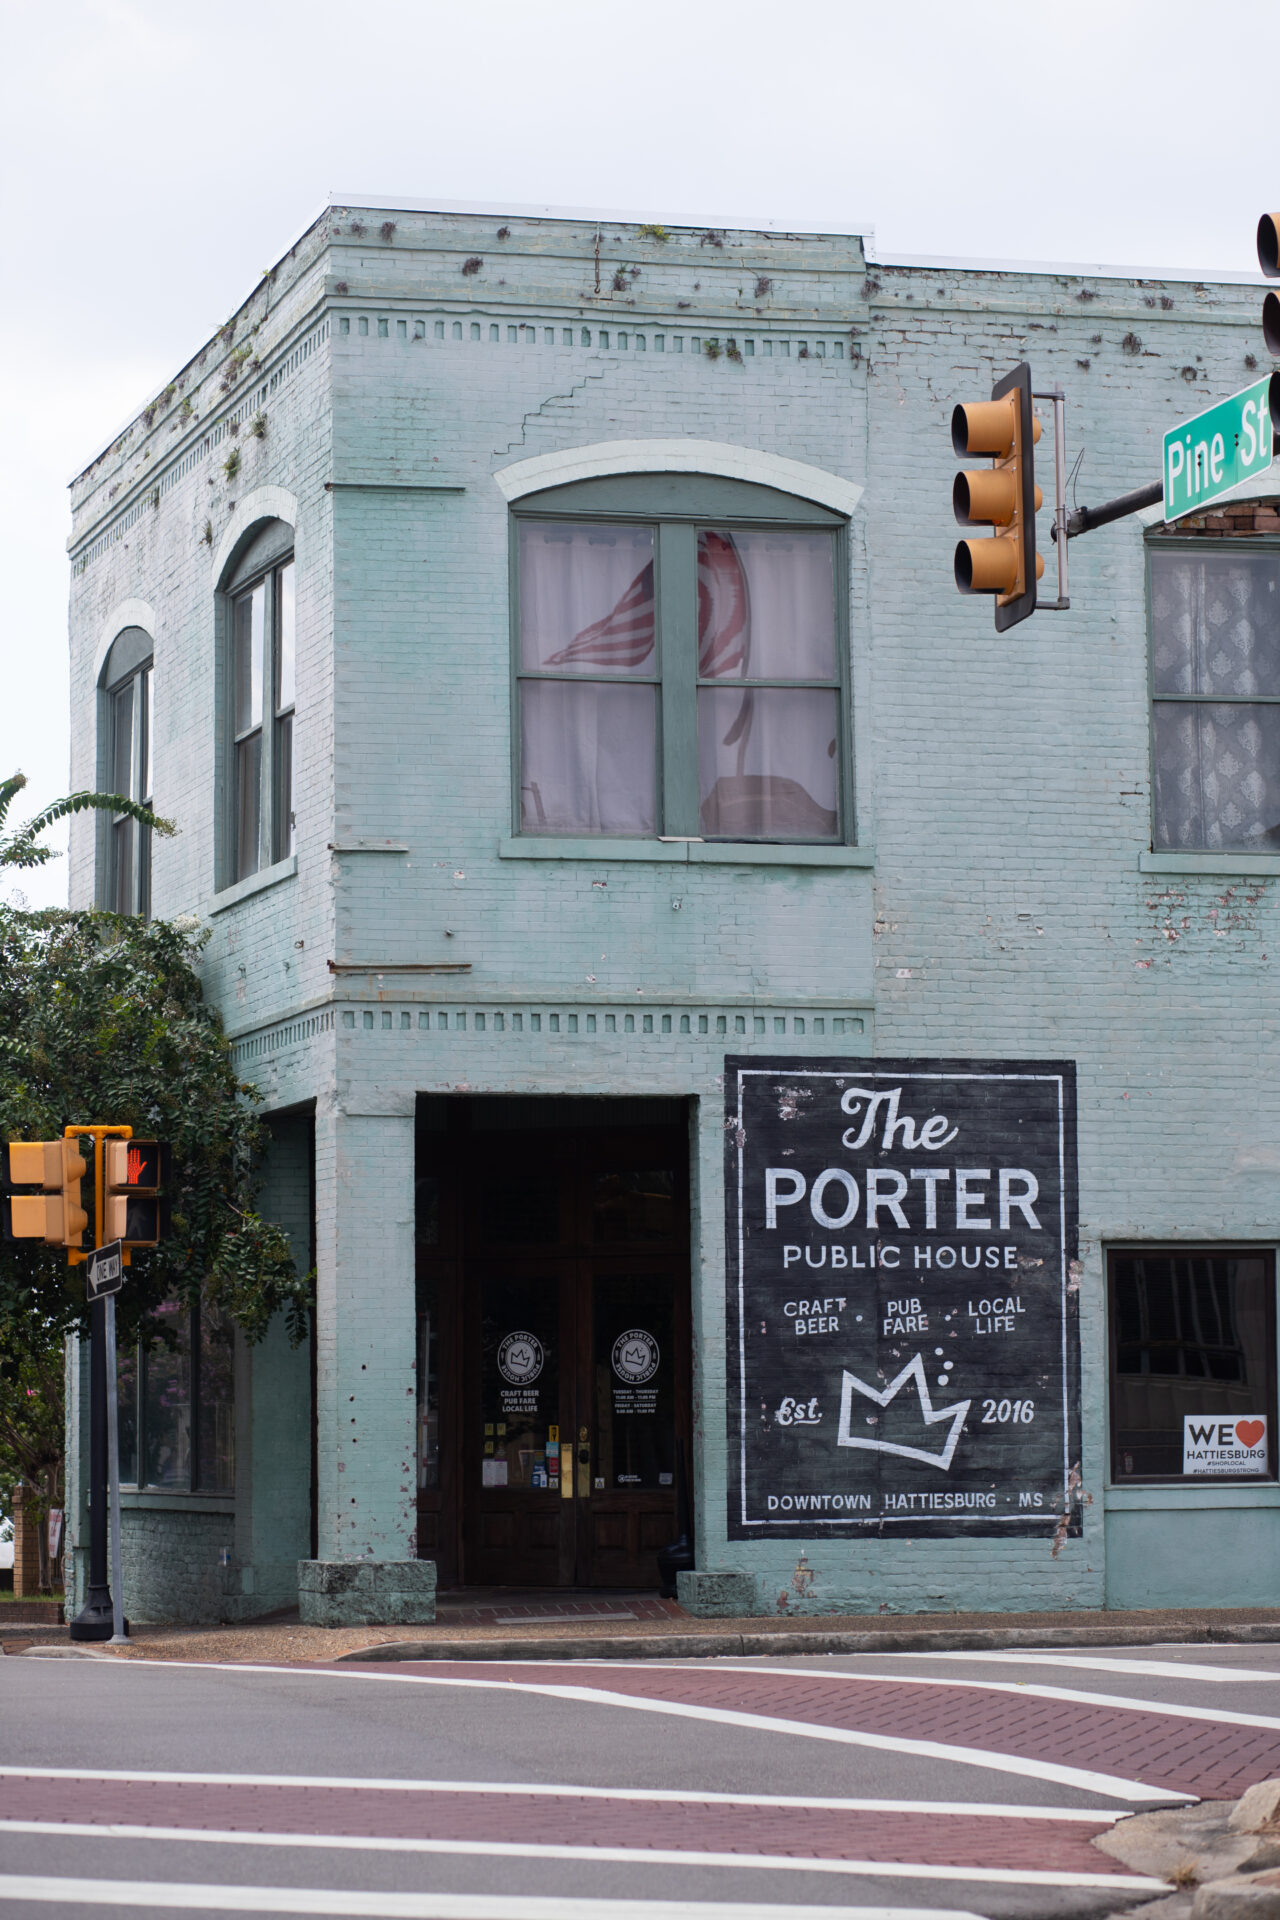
(1003, 782)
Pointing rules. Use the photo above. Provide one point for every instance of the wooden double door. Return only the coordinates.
(554, 1354)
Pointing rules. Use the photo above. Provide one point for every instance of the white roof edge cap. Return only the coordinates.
(615, 216)
(1071, 269)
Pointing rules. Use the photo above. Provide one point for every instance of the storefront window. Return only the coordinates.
(634, 1368)
(520, 1381)
(1193, 1378)
(177, 1420)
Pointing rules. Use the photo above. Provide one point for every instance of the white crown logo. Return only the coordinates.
(914, 1370)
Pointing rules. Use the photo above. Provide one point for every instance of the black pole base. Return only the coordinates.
(96, 1618)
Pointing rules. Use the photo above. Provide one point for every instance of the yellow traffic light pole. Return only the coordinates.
(102, 1616)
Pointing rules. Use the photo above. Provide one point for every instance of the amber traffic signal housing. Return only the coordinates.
(55, 1214)
(1269, 261)
(1004, 497)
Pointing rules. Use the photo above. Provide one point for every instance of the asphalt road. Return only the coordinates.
(945, 1785)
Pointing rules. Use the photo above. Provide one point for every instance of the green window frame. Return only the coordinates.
(675, 509)
(176, 1401)
(1213, 620)
(257, 645)
(125, 767)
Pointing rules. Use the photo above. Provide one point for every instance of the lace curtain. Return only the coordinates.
(1216, 634)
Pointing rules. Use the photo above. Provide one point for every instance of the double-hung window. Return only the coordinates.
(1215, 715)
(262, 657)
(126, 863)
(680, 662)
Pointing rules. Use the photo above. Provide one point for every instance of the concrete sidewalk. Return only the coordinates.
(670, 1634)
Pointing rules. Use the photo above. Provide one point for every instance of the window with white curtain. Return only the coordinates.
(679, 674)
(1215, 681)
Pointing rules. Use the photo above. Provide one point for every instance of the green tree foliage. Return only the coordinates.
(21, 847)
(102, 1020)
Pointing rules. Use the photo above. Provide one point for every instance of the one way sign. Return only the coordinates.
(105, 1271)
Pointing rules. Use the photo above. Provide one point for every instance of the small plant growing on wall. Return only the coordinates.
(388, 231)
(185, 411)
(231, 465)
(733, 352)
(504, 233)
(258, 426)
(620, 280)
(472, 265)
(359, 229)
(651, 230)
(206, 537)
(712, 349)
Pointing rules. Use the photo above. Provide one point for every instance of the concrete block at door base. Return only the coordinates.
(717, 1593)
(366, 1593)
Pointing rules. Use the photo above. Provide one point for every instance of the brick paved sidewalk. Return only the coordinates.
(500, 1629)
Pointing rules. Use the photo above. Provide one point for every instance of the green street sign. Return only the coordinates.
(1207, 456)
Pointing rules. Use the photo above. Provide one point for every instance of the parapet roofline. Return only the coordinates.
(605, 216)
(1069, 269)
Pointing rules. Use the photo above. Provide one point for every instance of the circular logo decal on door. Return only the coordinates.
(520, 1358)
(635, 1357)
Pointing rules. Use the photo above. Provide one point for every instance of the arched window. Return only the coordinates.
(260, 701)
(126, 685)
(680, 661)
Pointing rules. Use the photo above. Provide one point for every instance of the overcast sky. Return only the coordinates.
(156, 156)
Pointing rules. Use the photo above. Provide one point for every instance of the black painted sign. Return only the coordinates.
(902, 1297)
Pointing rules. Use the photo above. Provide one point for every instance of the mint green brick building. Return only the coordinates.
(543, 633)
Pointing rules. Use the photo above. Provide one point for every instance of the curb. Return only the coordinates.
(694, 1646)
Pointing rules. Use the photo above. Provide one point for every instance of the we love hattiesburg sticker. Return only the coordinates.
(1214, 1445)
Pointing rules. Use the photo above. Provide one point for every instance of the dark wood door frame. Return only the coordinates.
(622, 1526)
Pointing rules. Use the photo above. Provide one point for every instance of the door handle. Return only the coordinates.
(584, 1463)
(566, 1470)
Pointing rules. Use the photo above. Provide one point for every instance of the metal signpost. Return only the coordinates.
(1205, 457)
(105, 1276)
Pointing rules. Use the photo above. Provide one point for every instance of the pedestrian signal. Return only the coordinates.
(135, 1210)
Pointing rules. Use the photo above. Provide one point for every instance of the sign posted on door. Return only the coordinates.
(1207, 456)
(902, 1297)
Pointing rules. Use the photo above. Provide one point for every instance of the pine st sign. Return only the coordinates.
(1204, 458)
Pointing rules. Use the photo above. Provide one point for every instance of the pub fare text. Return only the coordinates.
(929, 1198)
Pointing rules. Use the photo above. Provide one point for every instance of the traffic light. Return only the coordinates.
(1005, 498)
(1269, 261)
(55, 1214)
(135, 1209)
